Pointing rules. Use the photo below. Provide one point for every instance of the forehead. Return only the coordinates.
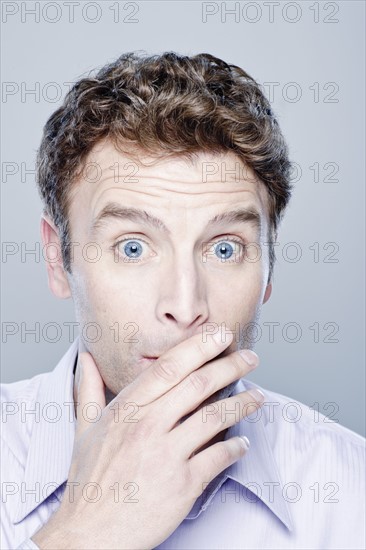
(209, 180)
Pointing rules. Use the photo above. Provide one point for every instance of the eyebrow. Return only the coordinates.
(247, 215)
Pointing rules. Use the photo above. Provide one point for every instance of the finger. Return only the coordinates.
(211, 419)
(173, 366)
(201, 384)
(90, 393)
(206, 465)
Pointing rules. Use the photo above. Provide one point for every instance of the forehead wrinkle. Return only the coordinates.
(174, 178)
(175, 191)
(248, 214)
(95, 200)
(112, 210)
(253, 217)
(184, 188)
(108, 155)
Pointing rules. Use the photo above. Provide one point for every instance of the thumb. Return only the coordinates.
(90, 393)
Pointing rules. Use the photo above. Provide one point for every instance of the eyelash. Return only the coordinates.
(132, 238)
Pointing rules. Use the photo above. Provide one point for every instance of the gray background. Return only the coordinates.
(322, 128)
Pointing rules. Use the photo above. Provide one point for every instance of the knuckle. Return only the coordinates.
(222, 455)
(193, 480)
(238, 364)
(249, 407)
(215, 416)
(166, 369)
(140, 431)
(187, 477)
(198, 349)
(199, 381)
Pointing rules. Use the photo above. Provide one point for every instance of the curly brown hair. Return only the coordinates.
(165, 105)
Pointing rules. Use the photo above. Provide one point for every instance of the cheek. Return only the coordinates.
(236, 298)
(105, 297)
(90, 290)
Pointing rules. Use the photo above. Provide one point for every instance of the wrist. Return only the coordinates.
(53, 535)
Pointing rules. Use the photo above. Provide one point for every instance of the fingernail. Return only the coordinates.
(249, 357)
(245, 441)
(258, 395)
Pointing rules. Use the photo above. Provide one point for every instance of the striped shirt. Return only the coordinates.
(301, 485)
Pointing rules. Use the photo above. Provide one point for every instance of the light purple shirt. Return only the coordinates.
(301, 485)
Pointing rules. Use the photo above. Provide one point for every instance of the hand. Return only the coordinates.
(139, 457)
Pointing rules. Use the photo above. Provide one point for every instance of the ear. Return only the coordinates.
(268, 293)
(57, 279)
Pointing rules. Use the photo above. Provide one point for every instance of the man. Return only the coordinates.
(164, 181)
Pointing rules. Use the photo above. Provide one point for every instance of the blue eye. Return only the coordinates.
(132, 249)
(224, 250)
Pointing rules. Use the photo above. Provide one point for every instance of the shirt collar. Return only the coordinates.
(257, 468)
(51, 446)
(51, 442)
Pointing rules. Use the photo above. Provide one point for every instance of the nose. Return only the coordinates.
(182, 299)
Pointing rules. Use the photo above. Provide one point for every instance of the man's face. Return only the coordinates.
(158, 286)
